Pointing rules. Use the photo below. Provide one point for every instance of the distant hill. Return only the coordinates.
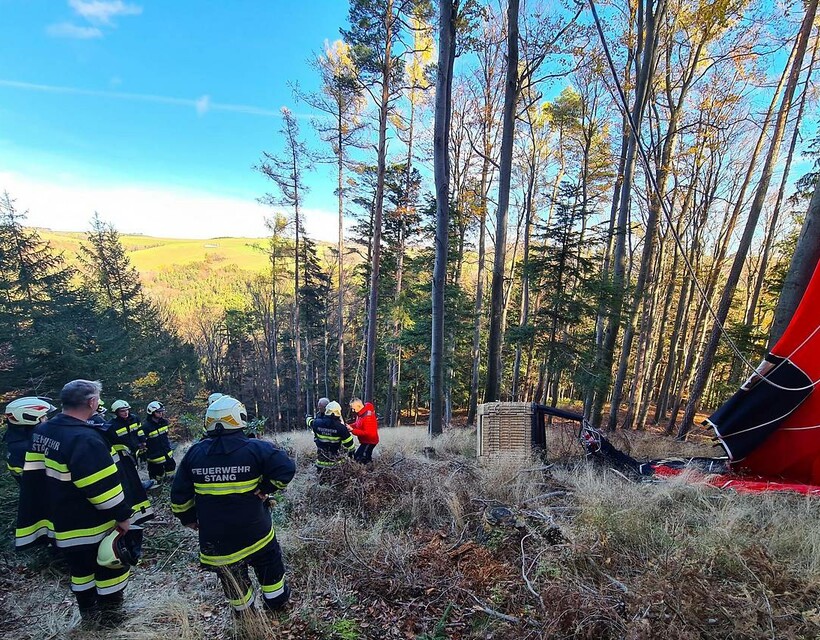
(150, 255)
(184, 274)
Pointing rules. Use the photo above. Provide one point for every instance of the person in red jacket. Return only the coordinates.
(366, 429)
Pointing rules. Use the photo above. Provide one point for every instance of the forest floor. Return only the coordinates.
(412, 548)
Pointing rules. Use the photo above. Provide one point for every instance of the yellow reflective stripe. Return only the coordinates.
(180, 508)
(243, 600)
(14, 470)
(103, 497)
(279, 484)
(53, 464)
(319, 463)
(273, 587)
(347, 440)
(95, 477)
(25, 531)
(81, 580)
(218, 561)
(141, 505)
(33, 456)
(102, 584)
(224, 488)
(327, 438)
(163, 458)
(81, 533)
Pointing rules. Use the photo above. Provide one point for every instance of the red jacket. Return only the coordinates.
(366, 427)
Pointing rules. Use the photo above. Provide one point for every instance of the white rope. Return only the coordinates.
(623, 105)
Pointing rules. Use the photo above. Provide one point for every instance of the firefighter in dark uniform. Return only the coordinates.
(127, 429)
(22, 415)
(331, 437)
(133, 486)
(71, 493)
(159, 453)
(99, 415)
(221, 489)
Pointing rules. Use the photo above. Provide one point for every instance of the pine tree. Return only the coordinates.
(286, 171)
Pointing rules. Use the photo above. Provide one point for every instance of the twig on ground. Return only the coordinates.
(306, 539)
(492, 612)
(762, 592)
(624, 477)
(458, 542)
(524, 573)
(168, 559)
(355, 555)
(551, 494)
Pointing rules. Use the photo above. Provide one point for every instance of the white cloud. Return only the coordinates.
(103, 11)
(66, 203)
(203, 104)
(69, 30)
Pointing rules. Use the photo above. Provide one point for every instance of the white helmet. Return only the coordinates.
(27, 411)
(155, 406)
(226, 412)
(213, 398)
(119, 404)
(333, 409)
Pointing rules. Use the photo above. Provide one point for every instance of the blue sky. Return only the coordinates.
(153, 113)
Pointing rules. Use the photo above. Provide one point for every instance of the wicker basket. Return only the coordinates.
(509, 428)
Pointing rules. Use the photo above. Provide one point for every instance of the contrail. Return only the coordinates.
(202, 104)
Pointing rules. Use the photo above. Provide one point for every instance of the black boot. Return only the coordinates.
(110, 612)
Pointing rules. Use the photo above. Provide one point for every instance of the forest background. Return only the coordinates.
(584, 266)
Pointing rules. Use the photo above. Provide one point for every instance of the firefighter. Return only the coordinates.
(159, 453)
(99, 415)
(133, 486)
(127, 430)
(221, 489)
(321, 404)
(70, 492)
(365, 428)
(22, 415)
(331, 436)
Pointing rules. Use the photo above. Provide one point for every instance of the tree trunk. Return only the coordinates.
(770, 236)
(751, 223)
(802, 266)
(441, 162)
(479, 292)
(493, 388)
(373, 304)
(340, 296)
(646, 49)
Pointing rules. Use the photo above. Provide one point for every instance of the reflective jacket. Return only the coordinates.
(218, 485)
(17, 439)
(366, 427)
(70, 489)
(128, 433)
(132, 486)
(156, 435)
(330, 436)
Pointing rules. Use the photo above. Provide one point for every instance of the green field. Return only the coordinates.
(151, 255)
(186, 275)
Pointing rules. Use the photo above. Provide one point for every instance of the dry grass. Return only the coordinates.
(408, 548)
